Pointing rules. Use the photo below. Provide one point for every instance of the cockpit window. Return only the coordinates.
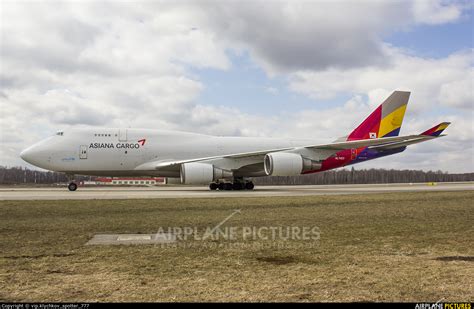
(60, 133)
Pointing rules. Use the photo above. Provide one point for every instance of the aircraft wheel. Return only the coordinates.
(213, 186)
(220, 186)
(72, 186)
(228, 186)
(249, 185)
(237, 186)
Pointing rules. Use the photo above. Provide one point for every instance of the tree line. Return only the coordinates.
(364, 176)
(22, 175)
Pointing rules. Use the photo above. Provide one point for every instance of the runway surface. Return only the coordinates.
(87, 193)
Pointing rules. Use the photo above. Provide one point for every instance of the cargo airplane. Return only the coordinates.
(224, 163)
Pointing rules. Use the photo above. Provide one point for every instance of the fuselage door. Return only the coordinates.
(83, 152)
(122, 135)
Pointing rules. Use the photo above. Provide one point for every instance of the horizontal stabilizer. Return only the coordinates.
(436, 130)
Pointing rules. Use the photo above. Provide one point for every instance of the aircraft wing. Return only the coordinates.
(257, 156)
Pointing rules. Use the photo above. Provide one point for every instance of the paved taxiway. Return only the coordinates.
(195, 192)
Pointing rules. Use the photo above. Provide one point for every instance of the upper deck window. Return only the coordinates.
(103, 135)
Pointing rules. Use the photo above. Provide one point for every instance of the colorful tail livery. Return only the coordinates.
(437, 130)
(386, 120)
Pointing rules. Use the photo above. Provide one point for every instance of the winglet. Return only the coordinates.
(437, 129)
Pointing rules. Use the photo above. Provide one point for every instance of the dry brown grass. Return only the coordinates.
(378, 247)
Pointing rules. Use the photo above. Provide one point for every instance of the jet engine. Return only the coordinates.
(288, 164)
(201, 173)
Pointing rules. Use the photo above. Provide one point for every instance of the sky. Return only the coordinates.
(312, 69)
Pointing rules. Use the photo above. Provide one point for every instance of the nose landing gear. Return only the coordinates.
(72, 186)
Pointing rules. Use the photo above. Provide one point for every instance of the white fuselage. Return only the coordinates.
(118, 152)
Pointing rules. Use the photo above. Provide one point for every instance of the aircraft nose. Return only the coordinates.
(27, 154)
(38, 154)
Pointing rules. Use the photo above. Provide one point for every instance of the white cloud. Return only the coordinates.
(459, 93)
(272, 90)
(127, 64)
(446, 81)
(436, 12)
(312, 35)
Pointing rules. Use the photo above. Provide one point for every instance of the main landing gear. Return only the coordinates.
(237, 184)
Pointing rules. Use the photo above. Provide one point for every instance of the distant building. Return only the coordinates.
(130, 181)
(87, 183)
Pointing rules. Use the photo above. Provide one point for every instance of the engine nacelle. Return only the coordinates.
(201, 173)
(288, 164)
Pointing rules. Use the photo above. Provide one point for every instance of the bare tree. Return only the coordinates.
(353, 176)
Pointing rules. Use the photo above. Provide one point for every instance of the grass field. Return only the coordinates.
(377, 247)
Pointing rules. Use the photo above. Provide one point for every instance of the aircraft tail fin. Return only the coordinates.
(437, 129)
(386, 120)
